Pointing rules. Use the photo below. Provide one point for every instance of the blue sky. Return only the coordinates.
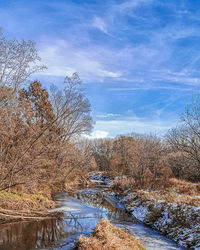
(139, 59)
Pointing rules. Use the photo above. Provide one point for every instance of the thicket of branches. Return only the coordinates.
(148, 161)
(36, 151)
(141, 158)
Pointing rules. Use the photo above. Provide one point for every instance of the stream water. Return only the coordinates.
(83, 210)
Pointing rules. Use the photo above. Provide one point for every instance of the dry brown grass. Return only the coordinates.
(107, 236)
(22, 201)
(184, 187)
(174, 191)
(123, 184)
(168, 197)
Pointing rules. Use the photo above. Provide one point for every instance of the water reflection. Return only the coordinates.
(115, 211)
(27, 235)
(151, 239)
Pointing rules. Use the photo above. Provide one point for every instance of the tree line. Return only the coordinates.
(148, 160)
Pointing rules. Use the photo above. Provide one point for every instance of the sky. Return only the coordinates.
(139, 60)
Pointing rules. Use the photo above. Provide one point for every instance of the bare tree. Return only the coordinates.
(186, 136)
(71, 107)
(18, 61)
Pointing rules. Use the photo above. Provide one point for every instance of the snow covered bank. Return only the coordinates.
(179, 222)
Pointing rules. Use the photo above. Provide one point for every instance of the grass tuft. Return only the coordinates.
(107, 236)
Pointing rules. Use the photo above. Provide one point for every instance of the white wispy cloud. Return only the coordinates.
(126, 6)
(106, 115)
(98, 134)
(63, 58)
(152, 88)
(116, 127)
(99, 23)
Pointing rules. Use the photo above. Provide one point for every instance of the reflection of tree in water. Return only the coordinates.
(100, 200)
(41, 234)
(30, 234)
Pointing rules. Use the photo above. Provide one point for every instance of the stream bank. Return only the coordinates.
(179, 222)
(177, 219)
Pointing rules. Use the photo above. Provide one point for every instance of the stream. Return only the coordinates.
(83, 209)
